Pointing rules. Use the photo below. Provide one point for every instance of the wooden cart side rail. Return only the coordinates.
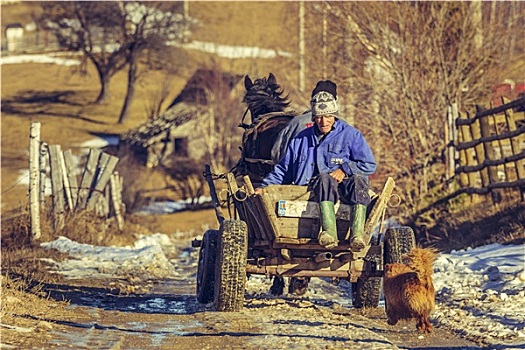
(250, 208)
(379, 208)
(213, 194)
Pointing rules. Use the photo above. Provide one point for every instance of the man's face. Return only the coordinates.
(324, 123)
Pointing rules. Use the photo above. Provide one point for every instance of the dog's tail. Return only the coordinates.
(421, 260)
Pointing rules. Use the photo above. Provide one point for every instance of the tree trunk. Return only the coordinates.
(132, 77)
(104, 88)
(103, 77)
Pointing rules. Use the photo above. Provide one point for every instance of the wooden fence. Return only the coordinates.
(487, 150)
(99, 188)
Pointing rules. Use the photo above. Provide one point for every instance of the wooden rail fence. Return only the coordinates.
(99, 189)
(487, 150)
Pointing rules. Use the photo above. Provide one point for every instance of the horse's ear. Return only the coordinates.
(248, 83)
(272, 79)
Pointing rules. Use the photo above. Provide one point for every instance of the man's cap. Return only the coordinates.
(323, 103)
(325, 85)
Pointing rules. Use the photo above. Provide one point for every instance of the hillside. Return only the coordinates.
(60, 98)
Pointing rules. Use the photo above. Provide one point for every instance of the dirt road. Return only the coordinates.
(165, 315)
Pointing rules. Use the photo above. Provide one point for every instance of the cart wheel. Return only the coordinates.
(206, 267)
(398, 241)
(367, 292)
(230, 268)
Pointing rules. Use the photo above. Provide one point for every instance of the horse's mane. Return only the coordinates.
(264, 95)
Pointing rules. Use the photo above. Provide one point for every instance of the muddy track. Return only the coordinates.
(164, 314)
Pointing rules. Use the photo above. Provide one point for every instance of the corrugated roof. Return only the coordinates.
(187, 105)
(147, 133)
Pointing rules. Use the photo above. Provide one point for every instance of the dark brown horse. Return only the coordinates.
(266, 103)
(265, 139)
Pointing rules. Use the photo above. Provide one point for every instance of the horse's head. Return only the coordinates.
(264, 95)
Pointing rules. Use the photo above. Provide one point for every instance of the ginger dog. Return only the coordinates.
(409, 290)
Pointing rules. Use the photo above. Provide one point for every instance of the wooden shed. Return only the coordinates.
(14, 35)
(180, 131)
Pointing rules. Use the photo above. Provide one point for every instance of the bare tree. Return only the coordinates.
(399, 66)
(88, 27)
(115, 34)
(221, 132)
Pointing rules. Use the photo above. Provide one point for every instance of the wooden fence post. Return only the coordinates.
(58, 187)
(65, 179)
(87, 179)
(106, 166)
(490, 155)
(72, 179)
(449, 142)
(515, 146)
(43, 161)
(34, 179)
(480, 152)
(116, 200)
(467, 158)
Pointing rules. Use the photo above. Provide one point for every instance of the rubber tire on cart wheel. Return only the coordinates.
(206, 267)
(398, 241)
(367, 290)
(230, 268)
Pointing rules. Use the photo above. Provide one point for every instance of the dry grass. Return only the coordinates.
(474, 226)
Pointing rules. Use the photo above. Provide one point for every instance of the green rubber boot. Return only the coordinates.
(357, 221)
(328, 235)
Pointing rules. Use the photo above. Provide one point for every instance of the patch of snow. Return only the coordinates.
(168, 207)
(101, 142)
(18, 329)
(145, 258)
(41, 58)
(228, 51)
(480, 293)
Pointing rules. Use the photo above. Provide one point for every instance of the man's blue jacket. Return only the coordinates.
(343, 147)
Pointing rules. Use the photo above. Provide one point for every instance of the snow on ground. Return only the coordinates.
(39, 58)
(232, 51)
(101, 142)
(168, 207)
(480, 292)
(146, 259)
(216, 49)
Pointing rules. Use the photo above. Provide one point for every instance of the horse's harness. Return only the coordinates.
(261, 124)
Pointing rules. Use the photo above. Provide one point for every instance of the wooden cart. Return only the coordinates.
(275, 234)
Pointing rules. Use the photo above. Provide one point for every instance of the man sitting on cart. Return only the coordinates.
(334, 160)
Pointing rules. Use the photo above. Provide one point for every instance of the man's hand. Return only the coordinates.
(259, 191)
(338, 175)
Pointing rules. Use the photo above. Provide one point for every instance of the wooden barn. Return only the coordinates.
(181, 131)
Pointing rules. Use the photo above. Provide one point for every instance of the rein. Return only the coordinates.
(242, 124)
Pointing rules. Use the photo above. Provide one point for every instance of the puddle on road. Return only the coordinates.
(144, 321)
(149, 334)
(163, 305)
